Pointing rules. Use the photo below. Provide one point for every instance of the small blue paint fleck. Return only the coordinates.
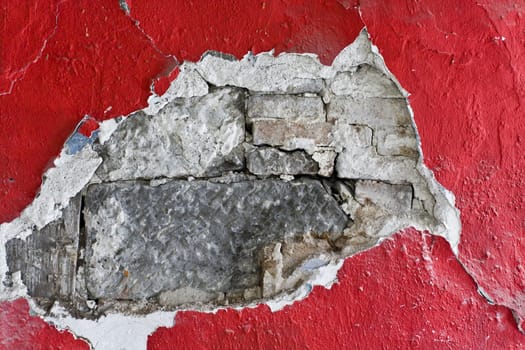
(77, 141)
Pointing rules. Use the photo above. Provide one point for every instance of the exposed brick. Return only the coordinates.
(397, 141)
(375, 112)
(291, 135)
(394, 198)
(289, 107)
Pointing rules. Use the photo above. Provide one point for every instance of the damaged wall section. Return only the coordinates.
(235, 189)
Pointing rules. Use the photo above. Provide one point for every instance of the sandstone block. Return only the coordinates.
(288, 107)
(291, 135)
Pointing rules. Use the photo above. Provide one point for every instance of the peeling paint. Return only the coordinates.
(286, 73)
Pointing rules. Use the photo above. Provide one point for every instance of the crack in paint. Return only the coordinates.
(22, 71)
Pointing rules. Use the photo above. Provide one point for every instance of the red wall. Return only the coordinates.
(462, 61)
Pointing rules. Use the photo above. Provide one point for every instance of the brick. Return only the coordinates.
(394, 198)
(291, 135)
(271, 161)
(288, 107)
(397, 141)
(374, 112)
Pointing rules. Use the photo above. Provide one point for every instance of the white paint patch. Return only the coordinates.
(113, 332)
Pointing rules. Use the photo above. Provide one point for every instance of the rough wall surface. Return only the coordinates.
(470, 128)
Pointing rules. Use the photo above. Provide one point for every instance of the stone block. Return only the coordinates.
(291, 135)
(366, 81)
(199, 136)
(374, 112)
(365, 163)
(397, 141)
(144, 240)
(47, 258)
(394, 198)
(287, 107)
(271, 161)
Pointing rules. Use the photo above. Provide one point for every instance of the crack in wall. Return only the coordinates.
(22, 71)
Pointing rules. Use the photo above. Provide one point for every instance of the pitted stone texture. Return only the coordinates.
(365, 163)
(47, 258)
(394, 198)
(288, 107)
(291, 135)
(374, 112)
(397, 141)
(199, 136)
(366, 81)
(144, 240)
(270, 161)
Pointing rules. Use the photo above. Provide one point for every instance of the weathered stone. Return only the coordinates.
(199, 136)
(292, 108)
(291, 135)
(397, 141)
(347, 135)
(290, 74)
(366, 81)
(143, 240)
(325, 159)
(374, 112)
(47, 258)
(394, 198)
(271, 161)
(365, 163)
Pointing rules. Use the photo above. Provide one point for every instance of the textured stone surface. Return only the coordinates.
(289, 107)
(394, 198)
(198, 136)
(291, 135)
(397, 141)
(366, 81)
(47, 258)
(374, 112)
(365, 163)
(143, 240)
(270, 161)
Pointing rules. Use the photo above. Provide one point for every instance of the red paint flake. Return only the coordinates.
(88, 126)
(408, 293)
(163, 83)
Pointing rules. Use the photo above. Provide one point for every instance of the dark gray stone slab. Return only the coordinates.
(271, 161)
(143, 240)
(47, 258)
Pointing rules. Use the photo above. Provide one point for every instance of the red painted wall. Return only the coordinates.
(462, 61)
